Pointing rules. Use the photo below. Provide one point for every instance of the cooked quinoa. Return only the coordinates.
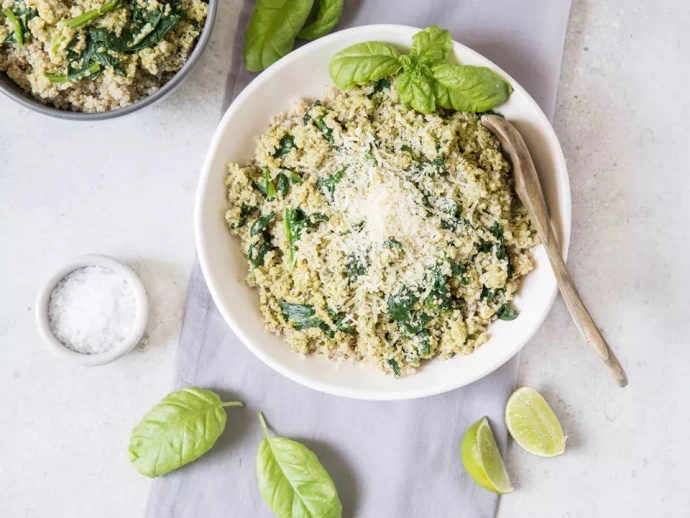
(68, 54)
(377, 234)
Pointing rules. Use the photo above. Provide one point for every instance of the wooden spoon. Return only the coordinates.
(529, 191)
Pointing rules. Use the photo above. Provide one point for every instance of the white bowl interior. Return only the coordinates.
(304, 74)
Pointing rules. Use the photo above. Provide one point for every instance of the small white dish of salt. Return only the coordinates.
(93, 310)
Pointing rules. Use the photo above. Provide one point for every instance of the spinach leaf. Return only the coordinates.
(307, 115)
(286, 144)
(162, 26)
(316, 217)
(328, 183)
(505, 312)
(282, 184)
(147, 28)
(393, 244)
(400, 304)
(327, 18)
(259, 248)
(497, 231)
(431, 45)
(393, 366)
(178, 430)
(415, 89)
(292, 481)
(438, 297)
(326, 130)
(302, 317)
(488, 294)
(338, 320)
(294, 221)
(273, 27)
(354, 266)
(261, 187)
(19, 17)
(424, 343)
(439, 162)
(459, 270)
(468, 88)
(362, 63)
(262, 223)
(381, 85)
(93, 59)
(269, 187)
(245, 212)
(453, 220)
(415, 322)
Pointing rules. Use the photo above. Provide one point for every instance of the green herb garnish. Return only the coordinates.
(423, 79)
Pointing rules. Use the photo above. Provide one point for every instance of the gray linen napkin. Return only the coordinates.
(388, 459)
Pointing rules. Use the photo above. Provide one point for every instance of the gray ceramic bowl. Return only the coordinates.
(12, 90)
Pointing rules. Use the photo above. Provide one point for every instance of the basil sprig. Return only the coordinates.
(426, 82)
(178, 430)
(292, 481)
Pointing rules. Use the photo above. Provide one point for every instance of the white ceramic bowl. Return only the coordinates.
(304, 73)
(140, 319)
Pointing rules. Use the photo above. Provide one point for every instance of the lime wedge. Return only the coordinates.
(482, 459)
(533, 424)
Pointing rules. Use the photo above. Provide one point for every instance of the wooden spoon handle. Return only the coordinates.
(528, 189)
(583, 321)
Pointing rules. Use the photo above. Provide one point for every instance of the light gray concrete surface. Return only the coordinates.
(623, 111)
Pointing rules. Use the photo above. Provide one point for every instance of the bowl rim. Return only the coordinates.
(141, 315)
(13, 91)
(354, 392)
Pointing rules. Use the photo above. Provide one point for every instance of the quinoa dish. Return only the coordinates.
(96, 55)
(377, 234)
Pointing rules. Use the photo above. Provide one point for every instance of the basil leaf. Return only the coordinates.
(327, 18)
(292, 481)
(415, 89)
(469, 88)
(432, 45)
(272, 30)
(178, 430)
(362, 63)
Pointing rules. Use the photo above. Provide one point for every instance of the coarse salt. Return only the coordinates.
(92, 310)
